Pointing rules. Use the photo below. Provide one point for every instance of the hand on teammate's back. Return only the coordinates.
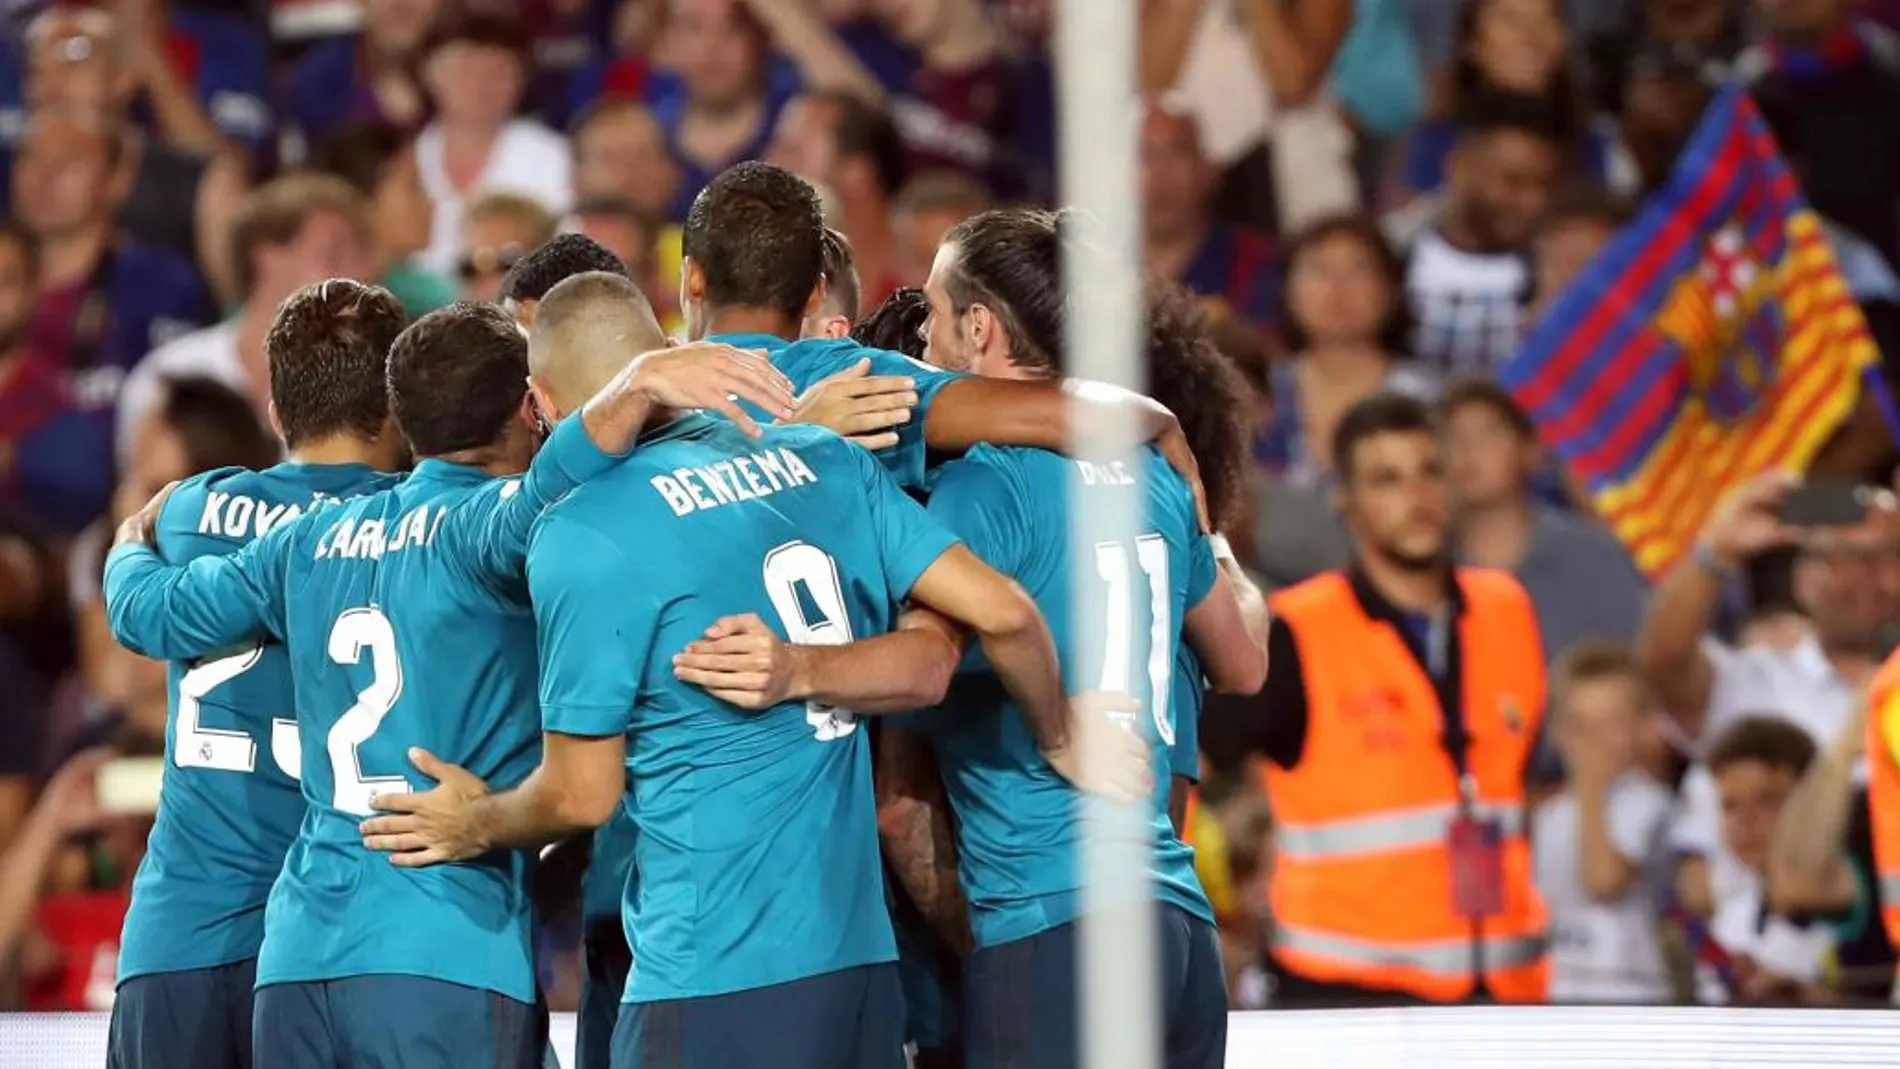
(698, 375)
(860, 406)
(740, 661)
(1104, 754)
(140, 527)
(433, 826)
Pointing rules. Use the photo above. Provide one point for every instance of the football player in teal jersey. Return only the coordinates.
(404, 616)
(757, 923)
(1018, 832)
(231, 803)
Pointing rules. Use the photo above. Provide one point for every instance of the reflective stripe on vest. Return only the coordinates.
(1450, 958)
(1890, 889)
(1420, 828)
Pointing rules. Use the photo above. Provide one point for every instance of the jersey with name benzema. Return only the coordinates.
(755, 846)
(406, 620)
(230, 805)
(1019, 829)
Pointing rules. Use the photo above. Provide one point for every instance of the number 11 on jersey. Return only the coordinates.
(1112, 565)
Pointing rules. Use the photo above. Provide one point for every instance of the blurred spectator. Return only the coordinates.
(926, 208)
(1467, 279)
(939, 66)
(290, 233)
(1827, 84)
(55, 456)
(725, 109)
(1756, 956)
(1600, 848)
(626, 232)
(199, 80)
(364, 77)
(1705, 685)
(1580, 579)
(1510, 48)
(35, 652)
(380, 163)
(475, 144)
(104, 300)
(1821, 864)
(1228, 265)
(499, 229)
(1704, 35)
(1572, 231)
(1397, 721)
(836, 140)
(67, 808)
(180, 196)
(1346, 326)
(620, 150)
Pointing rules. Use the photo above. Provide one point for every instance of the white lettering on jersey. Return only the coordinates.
(744, 478)
(228, 515)
(1115, 474)
(370, 538)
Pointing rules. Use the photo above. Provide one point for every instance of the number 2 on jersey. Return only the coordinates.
(1112, 565)
(802, 581)
(355, 633)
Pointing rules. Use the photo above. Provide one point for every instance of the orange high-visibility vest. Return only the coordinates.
(1362, 883)
(1883, 787)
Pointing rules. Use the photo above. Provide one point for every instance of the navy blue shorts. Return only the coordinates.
(850, 1019)
(605, 962)
(192, 1019)
(395, 1022)
(1021, 999)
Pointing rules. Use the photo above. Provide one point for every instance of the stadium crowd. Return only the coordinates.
(1373, 200)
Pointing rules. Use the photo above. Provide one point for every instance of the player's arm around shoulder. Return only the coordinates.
(1227, 623)
(177, 612)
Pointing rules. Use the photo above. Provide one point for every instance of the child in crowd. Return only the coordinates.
(1599, 853)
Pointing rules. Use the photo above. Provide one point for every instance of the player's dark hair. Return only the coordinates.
(1010, 261)
(1188, 373)
(842, 288)
(555, 261)
(897, 324)
(1383, 413)
(758, 233)
(1486, 394)
(218, 426)
(456, 377)
(360, 154)
(863, 130)
(1395, 333)
(1768, 740)
(328, 347)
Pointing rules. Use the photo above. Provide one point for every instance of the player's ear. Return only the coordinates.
(692, 281)
(276, 425)
(541, 400)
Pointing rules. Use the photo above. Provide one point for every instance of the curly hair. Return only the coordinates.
(896, 324)
(1208, 394)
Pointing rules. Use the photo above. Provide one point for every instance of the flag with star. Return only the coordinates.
(1712, 339)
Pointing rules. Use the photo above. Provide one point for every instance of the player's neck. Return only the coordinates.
(752, 321)
(347, 449)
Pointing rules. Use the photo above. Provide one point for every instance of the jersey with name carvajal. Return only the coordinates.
(755, 844)
(405, 616)
(1019, 828)
(231, 803)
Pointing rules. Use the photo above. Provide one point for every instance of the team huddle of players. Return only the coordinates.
(659, 590)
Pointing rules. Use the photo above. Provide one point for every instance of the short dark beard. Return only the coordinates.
(1415, 563)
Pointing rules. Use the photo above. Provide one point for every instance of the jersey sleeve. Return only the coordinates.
(908, 539)
(975, 501)
(908, 460)
(181, 612)
(588, 598)
(499, 536)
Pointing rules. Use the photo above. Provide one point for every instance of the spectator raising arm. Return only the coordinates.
(1294, 41)
(824, 63)
(1808, 866)
(66, 808)
(1167, 32)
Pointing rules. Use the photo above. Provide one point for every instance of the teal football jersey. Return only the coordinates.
(230, 804)
(810, 360)
(405, 616)
(1018, 829)
(755, 833)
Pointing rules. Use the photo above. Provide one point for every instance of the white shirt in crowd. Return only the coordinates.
(1743, 928)
(1798, 685)
(211, 353)
(1606, 951)
(528, 158)
(1468, 306)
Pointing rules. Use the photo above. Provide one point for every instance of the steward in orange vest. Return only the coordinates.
(1883, 788)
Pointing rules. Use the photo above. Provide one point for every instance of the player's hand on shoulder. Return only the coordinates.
(742, 662)
(433, 826)
(708, 375)
(141, 527)
(858, 405)
(1104, 754)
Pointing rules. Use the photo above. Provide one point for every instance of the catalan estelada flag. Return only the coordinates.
(1712, 339)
